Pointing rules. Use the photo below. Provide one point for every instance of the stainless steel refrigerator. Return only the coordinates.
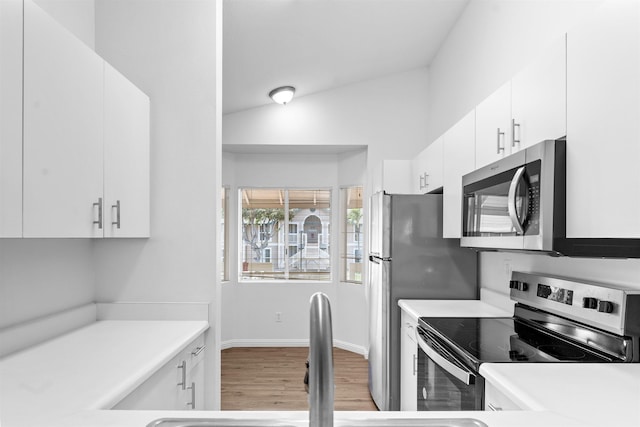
(408, 259)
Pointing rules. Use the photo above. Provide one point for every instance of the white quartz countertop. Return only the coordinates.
(300, 419)
(451, 308)
(93, 367)
(600, 394)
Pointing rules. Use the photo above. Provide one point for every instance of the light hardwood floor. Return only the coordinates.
(269, 378)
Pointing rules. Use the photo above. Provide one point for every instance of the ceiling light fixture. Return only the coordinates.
(283, 94)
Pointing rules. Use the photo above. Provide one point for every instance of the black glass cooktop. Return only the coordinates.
(504, 340)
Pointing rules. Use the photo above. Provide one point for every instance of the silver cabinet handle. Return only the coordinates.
(99, 205)
(514, 125)
(500, 148)
(421, 182)
(198, 350)
(183, 366)
(511, 200)
(493, 408)
(193, 396)
(426, 181)
(117, 207)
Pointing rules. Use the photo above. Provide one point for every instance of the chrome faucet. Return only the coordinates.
(320, 362)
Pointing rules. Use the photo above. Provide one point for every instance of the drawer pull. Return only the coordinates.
(183, 366)
(193, 396)
(198, 350)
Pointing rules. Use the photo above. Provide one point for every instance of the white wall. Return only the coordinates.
(39, 277)
(388, 115)
(248, 309)
(492, 40)
(169, 49)
(78, 16)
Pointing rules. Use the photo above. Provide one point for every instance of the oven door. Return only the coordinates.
(444, 382)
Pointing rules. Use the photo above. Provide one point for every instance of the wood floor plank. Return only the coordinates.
(271, 378)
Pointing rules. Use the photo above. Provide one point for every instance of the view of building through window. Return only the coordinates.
(352, 244)
(285, 234)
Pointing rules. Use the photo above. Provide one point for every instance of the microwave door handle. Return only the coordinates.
(511, 200)
(461, 374)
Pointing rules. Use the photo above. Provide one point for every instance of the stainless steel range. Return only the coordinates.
(556, 319)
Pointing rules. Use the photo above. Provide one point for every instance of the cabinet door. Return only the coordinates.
(603, 126)
(433, 166)
(63, 130)
(162, 391)
(418, 166)
(195, 377)
(126, 157)
(496, 400)
(459, 159)
(10, 118)
(493, 126)
(408, 365)
(539, 98)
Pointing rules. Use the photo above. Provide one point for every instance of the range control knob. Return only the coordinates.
(605, 306)
(520, 286)
(589, 302)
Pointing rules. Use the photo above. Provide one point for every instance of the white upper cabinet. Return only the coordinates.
(493, 127)
(539, 98)
(459, 150)
(426, 168)
(63, 130)
(11, 118)
(85, 147)
(126, 157)
(603, 124)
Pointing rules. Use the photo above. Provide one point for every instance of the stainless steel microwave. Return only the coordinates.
(517, 202)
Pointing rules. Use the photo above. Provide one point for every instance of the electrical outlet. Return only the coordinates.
(278, 316)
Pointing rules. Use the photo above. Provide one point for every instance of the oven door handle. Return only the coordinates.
(461, 374)
(511, 201)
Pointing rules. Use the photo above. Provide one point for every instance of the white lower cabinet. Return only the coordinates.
(177, 385)
(496, 400)
(408, 364)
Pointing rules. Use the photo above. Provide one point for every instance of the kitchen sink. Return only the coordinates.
(373, 422)
(224, 422)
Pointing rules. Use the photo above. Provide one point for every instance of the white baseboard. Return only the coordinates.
(288, 343)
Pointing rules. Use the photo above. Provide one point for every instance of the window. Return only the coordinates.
(285, 234)
(223, 262)
(351, 236)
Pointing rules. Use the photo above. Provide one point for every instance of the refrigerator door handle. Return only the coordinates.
(377, 259)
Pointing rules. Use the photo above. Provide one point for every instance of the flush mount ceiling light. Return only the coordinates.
(283, 94)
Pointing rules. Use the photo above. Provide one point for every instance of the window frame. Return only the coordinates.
(344, 238)
(284, 231)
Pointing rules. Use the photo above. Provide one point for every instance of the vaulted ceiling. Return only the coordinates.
(318, 45)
